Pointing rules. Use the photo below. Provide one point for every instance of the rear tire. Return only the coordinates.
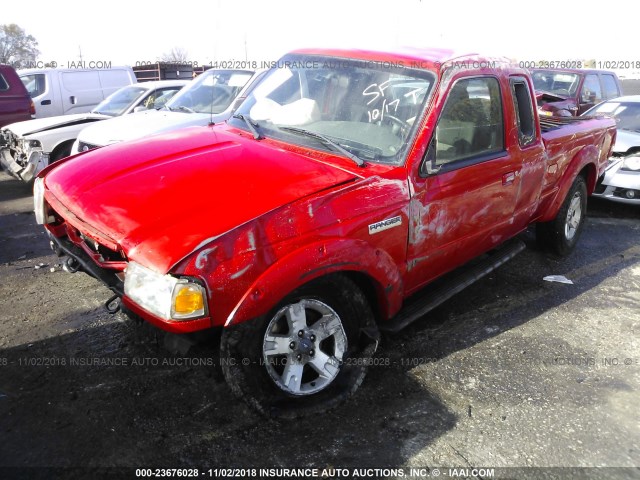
(306, 356)
(561, 234)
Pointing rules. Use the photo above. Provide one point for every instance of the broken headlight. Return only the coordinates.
(40, 205)
(165, 296)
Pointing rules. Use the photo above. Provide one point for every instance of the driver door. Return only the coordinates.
(464, 199)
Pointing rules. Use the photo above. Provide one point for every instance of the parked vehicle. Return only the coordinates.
(210, 98)
(344, 185)
(59, 92)
(28, 147)
(571, 92)
(15, 103)
(621, 181)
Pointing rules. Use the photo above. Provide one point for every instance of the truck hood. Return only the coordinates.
(38, 125)
(625, 140)
(142, 124)
(160, 200)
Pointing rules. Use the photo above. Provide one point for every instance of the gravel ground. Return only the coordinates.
(513, 372)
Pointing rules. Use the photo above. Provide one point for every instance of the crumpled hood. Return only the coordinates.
(626, 140)
(548, 96)
(29, 127)
(142, 124)
(161, 199)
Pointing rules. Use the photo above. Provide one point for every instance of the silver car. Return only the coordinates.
(621, 181)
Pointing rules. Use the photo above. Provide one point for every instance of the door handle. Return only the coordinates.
(509, 178)
(45, 102)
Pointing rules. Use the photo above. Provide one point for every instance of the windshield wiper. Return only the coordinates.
(183, 108)
(250, 125)
(327, 141)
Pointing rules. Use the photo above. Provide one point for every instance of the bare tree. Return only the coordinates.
(16, 47)
(176, 54)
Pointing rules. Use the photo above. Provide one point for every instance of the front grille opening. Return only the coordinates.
(107, 254)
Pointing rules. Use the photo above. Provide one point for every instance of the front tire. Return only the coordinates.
(308, 355)
(561, 234)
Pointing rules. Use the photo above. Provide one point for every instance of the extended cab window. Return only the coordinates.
(471, 122)
(591, 91)
(610, 86)
(524, 112)
(4, 86)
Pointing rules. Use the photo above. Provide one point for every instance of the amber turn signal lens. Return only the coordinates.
(188, 300)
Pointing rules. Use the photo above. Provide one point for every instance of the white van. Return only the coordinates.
(59, 92)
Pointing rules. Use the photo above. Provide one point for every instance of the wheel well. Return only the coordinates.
(56, 153)
(372, 290)
(589, 175)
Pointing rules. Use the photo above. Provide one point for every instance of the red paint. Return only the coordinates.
(255, 219)
(15, 102)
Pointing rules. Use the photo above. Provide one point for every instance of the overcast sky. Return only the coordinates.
(125, 32)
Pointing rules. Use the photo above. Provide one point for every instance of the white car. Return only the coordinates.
(210, 98)
(27, 147)
(621, 181)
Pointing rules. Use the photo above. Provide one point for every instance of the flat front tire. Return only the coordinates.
(306, 356)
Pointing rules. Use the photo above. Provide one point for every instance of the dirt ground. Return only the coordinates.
(513, 372)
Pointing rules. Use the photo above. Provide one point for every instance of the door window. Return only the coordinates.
(591, 91)
(471, 123)
(610, 86)
(35, 84)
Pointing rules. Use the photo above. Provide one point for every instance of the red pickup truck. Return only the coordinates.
(346, 183)
(15, 103)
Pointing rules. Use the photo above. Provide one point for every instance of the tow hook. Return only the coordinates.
(56, 249)
(71, 265)
(113, 305)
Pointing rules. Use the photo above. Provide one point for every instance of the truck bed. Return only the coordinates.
(548, 124)
(564, 138)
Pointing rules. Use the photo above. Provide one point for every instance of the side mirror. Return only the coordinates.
(139, 109)
(429, 165)
(587, 97)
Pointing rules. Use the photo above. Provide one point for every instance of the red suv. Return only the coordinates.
(15, 103)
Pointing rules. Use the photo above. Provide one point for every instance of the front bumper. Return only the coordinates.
(80, 260)
(619, 185)
(111, 278)
(24, 168)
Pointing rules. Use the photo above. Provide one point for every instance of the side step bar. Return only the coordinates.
(465, 276)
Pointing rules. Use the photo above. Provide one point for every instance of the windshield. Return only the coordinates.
(211, 92)
(370, 109)
(560, 83)
(627, 114)
(119, 101)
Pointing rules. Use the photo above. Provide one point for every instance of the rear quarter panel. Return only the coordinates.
(580, 147)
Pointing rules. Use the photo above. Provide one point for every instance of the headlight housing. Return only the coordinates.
(165, 296)
(40, 206)
(631, 163)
